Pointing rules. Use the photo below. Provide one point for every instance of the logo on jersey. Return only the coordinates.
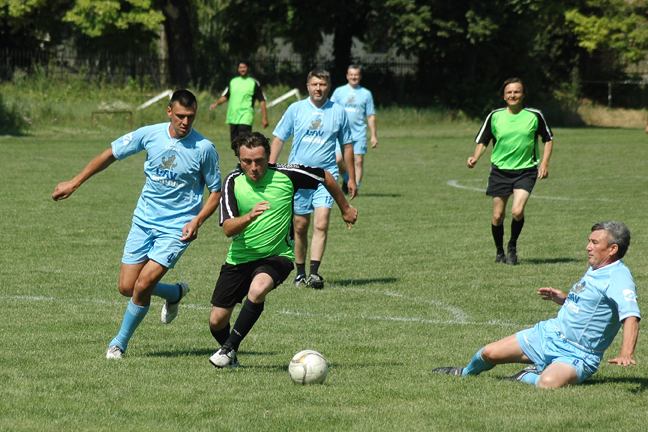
(127, 138)
(630, 295)
(579, 287)
(316, 124)
(168, 164)
(351, 100)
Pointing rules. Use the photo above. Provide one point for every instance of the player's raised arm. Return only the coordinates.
(99, 163)
(349, 213)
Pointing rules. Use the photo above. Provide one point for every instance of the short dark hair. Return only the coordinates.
(617, 234)
(250, 140)
(184, 98)
(355, 66)
(319, 73)
(512, 81)
(246, 62)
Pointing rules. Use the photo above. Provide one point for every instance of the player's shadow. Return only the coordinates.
(201, 353)
(352, 282)
(642, 383)
(551, 260)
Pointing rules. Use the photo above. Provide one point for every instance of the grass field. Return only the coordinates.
(412, 287)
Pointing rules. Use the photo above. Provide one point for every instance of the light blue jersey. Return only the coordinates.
(358, 104)
(591, 316)
(177, 171)
(315, 131)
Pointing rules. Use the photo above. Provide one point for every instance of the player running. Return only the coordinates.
(180, 163)
(256, 212)
(514, 170)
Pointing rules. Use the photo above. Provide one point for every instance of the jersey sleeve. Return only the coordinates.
(226, 92)
(228, 204)
(258, 93)
(344, 132)
(335, 96)
(303, 177)
(369, 107)
(210, 168)
(286, 125)
(129, 144)
(485, 134)
(544, 131)
(623, 292)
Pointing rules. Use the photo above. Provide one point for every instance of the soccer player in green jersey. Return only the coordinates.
(256, 212)
(514, 131)
(241, 93)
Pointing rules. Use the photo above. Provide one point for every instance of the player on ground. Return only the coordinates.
(568, 349)
(315, 124)
(359, 106)
(514, 131)
(241, 92)
(180, 163)
(256, 211)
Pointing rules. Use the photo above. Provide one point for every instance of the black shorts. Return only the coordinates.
(502, 182)
(236, 130)
(234, 280)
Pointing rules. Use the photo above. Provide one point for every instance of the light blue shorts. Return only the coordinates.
(359, 147)
(544, 345)
(306, 200)
(147, 243)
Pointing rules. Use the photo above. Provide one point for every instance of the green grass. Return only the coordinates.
(411, 287)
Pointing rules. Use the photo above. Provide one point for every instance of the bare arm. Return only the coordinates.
(190, 231)
(237, 225)
(543, 170)
(630, 334)
(264, 122)
(275, 150)
(347, 151)
(552, 294)
(99, 163)
(371, 121)
(479, 151)
(349, 213)
(221, 100)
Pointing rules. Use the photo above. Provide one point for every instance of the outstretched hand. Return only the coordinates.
(622, 360)
(552, 294)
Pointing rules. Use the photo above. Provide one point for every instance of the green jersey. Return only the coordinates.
(514, 137)
(241, 94)
(271, 234)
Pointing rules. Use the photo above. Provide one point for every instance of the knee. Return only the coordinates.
(489, 354)
(218, 321)
(301, 226)
(517, 213)
(321, 225)
(549, 381)
(498, 218)
(126, 290)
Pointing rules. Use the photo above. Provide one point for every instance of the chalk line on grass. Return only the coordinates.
(455, 183)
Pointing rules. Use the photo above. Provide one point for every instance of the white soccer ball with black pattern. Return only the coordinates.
(308, 367)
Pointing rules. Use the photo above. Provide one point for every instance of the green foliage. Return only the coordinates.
(92, 17)
(410, 288)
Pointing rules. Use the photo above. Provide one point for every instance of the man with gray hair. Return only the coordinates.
(568, 349)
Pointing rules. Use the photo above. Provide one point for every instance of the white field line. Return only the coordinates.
(455, 183)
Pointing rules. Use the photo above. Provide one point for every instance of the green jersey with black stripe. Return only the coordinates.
(514, 136)
(271, 234)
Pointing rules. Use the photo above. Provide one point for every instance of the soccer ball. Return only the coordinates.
(308, 367)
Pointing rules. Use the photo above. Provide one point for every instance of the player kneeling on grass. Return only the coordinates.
(180, 163)
(568, 349)
(256, 212)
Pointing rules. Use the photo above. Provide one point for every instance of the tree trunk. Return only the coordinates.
(177, 26)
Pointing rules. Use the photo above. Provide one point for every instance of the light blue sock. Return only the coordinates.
(358, 185)
(345, 177)
(477, 365)
(170, 293)
(132, 318)
(531, 378)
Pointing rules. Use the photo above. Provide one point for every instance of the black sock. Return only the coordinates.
(516, 229)
(248, 316)
(314, 266)
(498, 236)
(301, 268)
(221, 335)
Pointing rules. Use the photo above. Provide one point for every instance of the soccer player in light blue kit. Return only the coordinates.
(179, 164)
(315, 124)
(359, 106)
(568, 349)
